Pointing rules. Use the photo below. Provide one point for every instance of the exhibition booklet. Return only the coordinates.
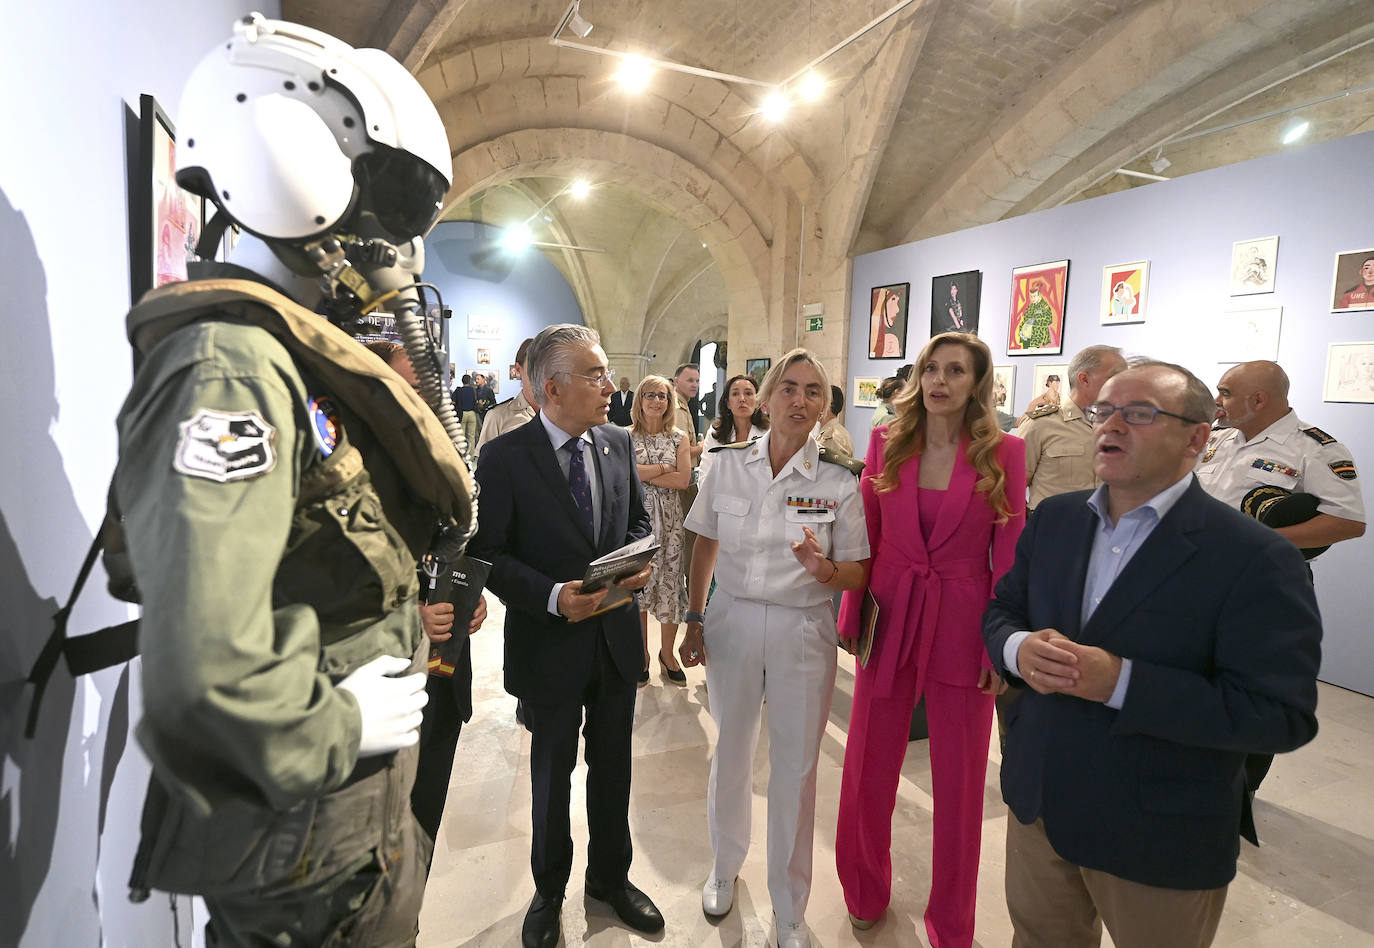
(616, 565)
(461, 584)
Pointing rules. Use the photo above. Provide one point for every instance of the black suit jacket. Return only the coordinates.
(529, 528)
(621, 402)
(1218, 616)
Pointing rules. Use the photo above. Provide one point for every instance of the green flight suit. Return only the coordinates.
(273, 542)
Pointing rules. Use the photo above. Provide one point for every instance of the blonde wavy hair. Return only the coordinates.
(640, 422)
(906, 434)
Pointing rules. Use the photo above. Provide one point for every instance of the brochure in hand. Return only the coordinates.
(616, 565)
(460, 583)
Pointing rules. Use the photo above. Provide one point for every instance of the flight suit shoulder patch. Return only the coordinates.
(1319, 436)
(1344, 469)
(1044, 411)
(225, 446)
(852, 465)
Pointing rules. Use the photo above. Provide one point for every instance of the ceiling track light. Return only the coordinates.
(1294, 130)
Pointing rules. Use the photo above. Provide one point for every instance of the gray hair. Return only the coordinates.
(1089, 360)
(770, 381)
(548, 354)
(1198, 405)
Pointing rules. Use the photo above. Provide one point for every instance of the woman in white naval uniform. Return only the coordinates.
(788, 527)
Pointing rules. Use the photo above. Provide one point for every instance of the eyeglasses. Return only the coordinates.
(600, 378)
(655, 396)
(1099, 412)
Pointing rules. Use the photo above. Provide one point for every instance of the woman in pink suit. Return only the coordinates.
(944, 494)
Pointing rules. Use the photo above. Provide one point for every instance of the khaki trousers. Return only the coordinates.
(1056, 904)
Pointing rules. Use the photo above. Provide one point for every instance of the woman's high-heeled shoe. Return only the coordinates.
(676, 675)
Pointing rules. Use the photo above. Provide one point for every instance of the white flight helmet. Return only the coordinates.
(294, 134)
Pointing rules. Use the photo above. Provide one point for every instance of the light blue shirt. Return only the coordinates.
(1113, 547)
(558, 438)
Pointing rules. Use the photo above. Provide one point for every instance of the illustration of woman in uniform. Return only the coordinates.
(1037, 320)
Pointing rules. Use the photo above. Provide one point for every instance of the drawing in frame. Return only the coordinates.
(1124, 286)
(1004, 388)
(1254, 264)
(166, 222)
(1247, 335)
(887, 320)
(1349, 372)
(866, 391)
(756, 369)
(1352, 283)
(1038, 295)
(1052, 381)
(954, 300)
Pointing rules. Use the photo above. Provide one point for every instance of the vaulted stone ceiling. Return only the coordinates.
(950, 114)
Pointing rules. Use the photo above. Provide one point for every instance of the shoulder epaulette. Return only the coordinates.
(731, 447)
(1042, 411)
(852, 465)
(499, 404)
(1319, 436)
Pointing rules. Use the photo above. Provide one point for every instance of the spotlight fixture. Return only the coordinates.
(1295, 129)
(811, 88)
(634, 73)
(517, 238)
(578, 23)
(579, 188)
(1160, 164)
(775, 106)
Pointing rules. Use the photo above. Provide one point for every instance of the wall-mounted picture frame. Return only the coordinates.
(1254, 264)
(165, 221)
(1352, 281)
(756, 369)
(1124, 287)
(1052, 378)
(954, 302)
(1004, 388)
(887, 320)
(1349, 372)
(1038, 296)
(866, 391)
(1247, 335)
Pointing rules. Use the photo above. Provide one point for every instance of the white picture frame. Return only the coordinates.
(1348, 279)
(865, 391)
(1254, 265)
(1004, 376)
(1248, 335)
(1125, 287)
(1349, 373)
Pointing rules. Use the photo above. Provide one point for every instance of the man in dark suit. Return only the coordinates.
(621, 402)
(1161, 636)
(557, 493)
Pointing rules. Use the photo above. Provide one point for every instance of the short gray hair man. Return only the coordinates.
(1089, 359)
(548, 354)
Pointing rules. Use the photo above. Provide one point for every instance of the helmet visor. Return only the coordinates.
(404, 192)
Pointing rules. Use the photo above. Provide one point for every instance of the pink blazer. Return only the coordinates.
(931, 597)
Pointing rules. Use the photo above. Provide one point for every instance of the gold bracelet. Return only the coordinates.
(834, 566)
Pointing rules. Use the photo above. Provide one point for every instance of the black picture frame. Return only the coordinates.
(756, 369)
(886, 328)
(164, 221)
(955, 299)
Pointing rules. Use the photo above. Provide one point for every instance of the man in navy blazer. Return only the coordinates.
(557, 493)
(1160, 636)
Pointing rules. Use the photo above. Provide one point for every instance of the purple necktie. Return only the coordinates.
(579, 485)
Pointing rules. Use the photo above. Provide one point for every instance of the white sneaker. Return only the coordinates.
(718, 897)
(792, 934)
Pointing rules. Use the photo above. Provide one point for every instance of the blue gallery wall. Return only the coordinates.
(476, 275)
(1314, 198)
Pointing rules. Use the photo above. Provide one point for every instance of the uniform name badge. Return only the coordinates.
(225, 446)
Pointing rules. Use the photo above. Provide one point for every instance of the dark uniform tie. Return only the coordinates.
(579, 485)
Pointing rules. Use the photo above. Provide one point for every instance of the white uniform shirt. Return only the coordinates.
(756, 516)
(1285, 455)
(708, 457)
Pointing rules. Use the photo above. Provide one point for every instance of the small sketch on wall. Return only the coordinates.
(1246, 335)
(1254, 263)
(1349, 372)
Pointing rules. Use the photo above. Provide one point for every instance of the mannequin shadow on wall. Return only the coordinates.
(34, 488)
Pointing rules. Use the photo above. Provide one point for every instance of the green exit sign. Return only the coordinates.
(814, 323)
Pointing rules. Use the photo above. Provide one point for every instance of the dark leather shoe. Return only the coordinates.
(633, 907)
(541, 928)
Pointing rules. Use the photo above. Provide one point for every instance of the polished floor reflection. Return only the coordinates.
(1308, 885)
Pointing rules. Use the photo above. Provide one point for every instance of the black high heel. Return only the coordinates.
(676, 676)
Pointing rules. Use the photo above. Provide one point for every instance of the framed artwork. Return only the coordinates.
(756, 369)
(511, 372)
(1245, 335)
(866, 391)
(1253, 263)
(166, 221)
(1051, 378)
(954, 300)
(1038, 294)
(1352, 284)
(887, 321)
(1004, 388)
(1349, 372)
(483, 356)
(1124, 286)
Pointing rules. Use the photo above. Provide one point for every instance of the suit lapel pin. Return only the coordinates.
(808, 464)
(605, 450)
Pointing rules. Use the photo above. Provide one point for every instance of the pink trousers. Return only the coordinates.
(960, 722)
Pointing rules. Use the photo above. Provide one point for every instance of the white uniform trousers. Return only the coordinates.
(787, 654)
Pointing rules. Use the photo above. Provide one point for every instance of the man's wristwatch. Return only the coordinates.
(695, 617)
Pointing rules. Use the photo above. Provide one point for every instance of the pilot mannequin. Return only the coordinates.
(276, 485)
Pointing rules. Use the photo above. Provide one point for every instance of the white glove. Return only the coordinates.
(390, 707)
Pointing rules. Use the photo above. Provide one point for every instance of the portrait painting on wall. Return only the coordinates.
(483, 356)
(887, 321)
(1124, 286)
(1253, 265)
(1038, 294)
(1003, 389)
(866, 391)
(1051, 383)
(756, 369)
(1352, 286)
(954, 301)
(165, 229)
(1349, 372)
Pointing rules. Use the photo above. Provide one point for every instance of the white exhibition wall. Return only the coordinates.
(1315, 199)
(70, 798)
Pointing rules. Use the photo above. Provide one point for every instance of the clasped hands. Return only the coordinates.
(1051, 663)
(575, 605)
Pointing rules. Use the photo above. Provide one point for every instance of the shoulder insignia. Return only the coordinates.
(1319, 436)
(225, 446)
(1043, 411)
(832, 456)
(500, 403)
(1344, 469)
(735, 446)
